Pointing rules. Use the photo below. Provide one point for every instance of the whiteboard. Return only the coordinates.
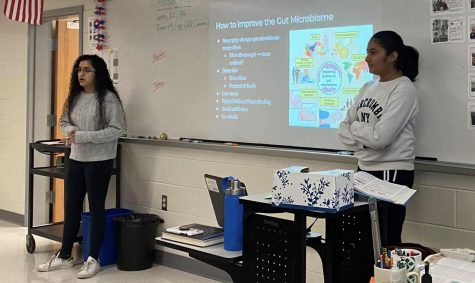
(163, 51)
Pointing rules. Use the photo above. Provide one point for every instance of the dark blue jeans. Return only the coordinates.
(81, 178)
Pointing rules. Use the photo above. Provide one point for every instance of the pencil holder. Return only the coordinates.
(398, 275)
(413, 259)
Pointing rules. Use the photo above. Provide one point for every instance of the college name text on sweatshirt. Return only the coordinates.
(379, 126)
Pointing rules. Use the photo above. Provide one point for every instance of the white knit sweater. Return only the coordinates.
(94, 143)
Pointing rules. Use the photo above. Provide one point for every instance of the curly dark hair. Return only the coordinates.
(103, 83)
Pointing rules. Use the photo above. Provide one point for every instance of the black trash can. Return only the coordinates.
(136, 240)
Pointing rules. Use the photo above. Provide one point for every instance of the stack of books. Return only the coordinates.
(195, 234)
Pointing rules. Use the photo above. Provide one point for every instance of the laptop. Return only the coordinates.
(216, 193)
(216, 188)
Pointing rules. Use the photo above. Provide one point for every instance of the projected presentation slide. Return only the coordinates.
(286, 75)
(327, 68)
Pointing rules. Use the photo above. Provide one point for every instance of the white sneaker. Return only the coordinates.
(90, 268)
(55, 262)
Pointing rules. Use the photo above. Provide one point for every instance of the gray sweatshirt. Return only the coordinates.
(379, 126)
(92, 142)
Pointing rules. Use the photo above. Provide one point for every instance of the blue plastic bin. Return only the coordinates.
(107, 253)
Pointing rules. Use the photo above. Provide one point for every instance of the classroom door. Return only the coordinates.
(67, 50)
(41, 108)
(57, 45)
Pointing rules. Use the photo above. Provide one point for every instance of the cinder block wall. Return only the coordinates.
(440, 215)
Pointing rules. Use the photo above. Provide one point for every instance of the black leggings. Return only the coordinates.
(395, 213)
(81, 178)
(356, 253)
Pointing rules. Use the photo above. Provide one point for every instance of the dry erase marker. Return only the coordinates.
(231, 144)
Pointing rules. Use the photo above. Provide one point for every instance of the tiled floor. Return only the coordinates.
(17, 265)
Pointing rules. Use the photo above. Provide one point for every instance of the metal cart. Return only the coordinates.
(54, 231)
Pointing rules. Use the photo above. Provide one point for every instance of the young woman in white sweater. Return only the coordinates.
(93, 120)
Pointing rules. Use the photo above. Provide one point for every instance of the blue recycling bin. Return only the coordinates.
(107, 253)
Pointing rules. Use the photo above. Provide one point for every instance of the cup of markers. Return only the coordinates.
(391, 268)
(413, 260)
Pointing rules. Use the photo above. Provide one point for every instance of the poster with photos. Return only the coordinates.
(471, 85)
(447, 6)
(457, 29)
(471, 57)
(471, 115)
(471, 28)
(448, 30)
(440, 29)
(91, 33)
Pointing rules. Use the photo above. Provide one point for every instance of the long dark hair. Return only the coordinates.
(103, 83)
(408, 56)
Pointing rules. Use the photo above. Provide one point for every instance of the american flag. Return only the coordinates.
(28, 11)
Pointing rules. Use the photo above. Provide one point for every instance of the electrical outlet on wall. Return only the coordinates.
(164, 202)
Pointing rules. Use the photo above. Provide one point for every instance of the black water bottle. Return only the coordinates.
(426, 278)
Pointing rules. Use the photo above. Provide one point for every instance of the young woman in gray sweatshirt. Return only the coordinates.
(379, 126)
(93, 120)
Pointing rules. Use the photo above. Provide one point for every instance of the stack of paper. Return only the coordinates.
(371, 186)
(449, 270)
